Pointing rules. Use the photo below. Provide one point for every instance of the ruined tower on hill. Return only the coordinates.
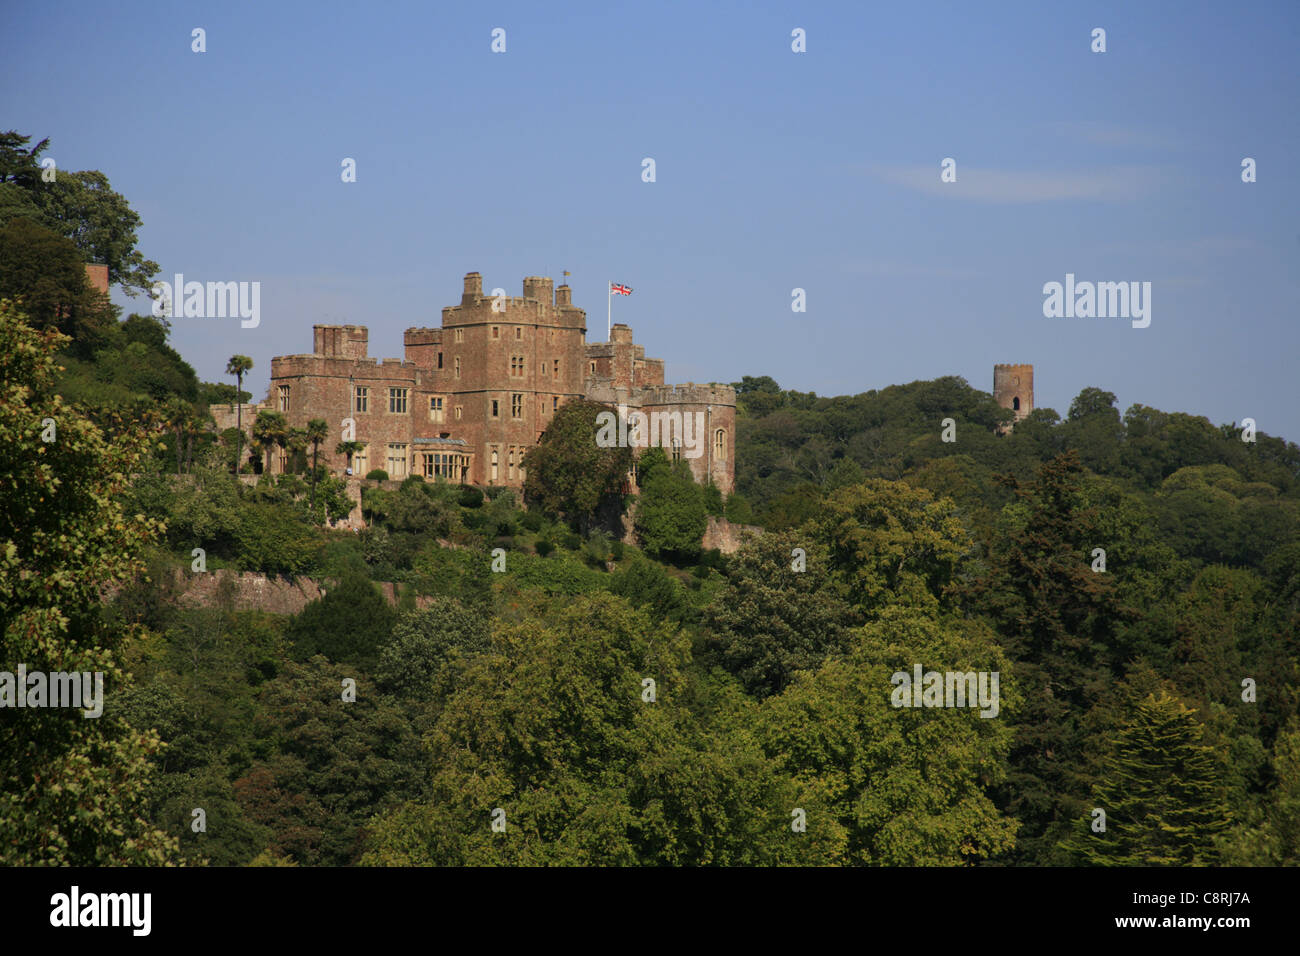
(1013, 388)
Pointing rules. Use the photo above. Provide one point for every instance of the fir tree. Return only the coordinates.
(1159, 789)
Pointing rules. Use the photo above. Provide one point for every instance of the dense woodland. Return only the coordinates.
(512, 672)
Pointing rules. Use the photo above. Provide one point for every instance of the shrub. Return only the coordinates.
(544, 548)
(532, 521)
(377, 474)
(738, 510)
(712, 500)
(274, 539)
(471, 497)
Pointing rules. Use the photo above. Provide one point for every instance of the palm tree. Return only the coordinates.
(270, 429)
(180, 417)
(349, 448)
(295, 444)
(317, 431)
(238, 366)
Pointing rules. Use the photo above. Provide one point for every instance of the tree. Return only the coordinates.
(551, 724)
(1059, 621)
(18, 165)
(907, 786)
(84, 208)
(269, 430)
(331, 765)
(1161, 793)
(348, 448)
(184, 423)
(670, 515)
(568, 473)
(772, 620)
(20, 177)
(73, 791)
(348, 625)
(317, 431)
(296, 446)
(424, 641)
(239, 366)
(47, 273)
(889, 543)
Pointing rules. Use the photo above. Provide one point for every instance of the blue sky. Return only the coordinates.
(775, 170)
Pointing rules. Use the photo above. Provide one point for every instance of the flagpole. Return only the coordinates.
(609, 310)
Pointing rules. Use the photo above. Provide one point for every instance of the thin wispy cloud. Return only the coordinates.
(1111, 183)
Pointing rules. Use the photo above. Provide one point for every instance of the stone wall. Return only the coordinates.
(257, 592)
(725, 536)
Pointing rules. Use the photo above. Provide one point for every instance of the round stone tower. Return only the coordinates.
(1013, 388)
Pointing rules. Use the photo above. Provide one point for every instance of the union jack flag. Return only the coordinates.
(617, 289)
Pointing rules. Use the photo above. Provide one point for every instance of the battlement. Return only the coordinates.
(421, 336)
(291, 366)
(541, 304)
(688, 394)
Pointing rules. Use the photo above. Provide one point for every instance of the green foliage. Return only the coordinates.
(47, 273)
(889, 544)
(376, 474)
(73, 791)
(903, 786)
(426, 640)
(81, 206)
(670, 515)
(569, 475)
(646, 585)
(738, 511)
(771, 620)
(328, 765)
(1059, 621)
(275, 539)
(1164, 804)
(348, 625)
(550, 726)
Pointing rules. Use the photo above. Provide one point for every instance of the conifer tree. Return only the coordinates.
(1159, 789)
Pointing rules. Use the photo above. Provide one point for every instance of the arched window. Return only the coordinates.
(720, 443)
(1015, 404)
(496, 460)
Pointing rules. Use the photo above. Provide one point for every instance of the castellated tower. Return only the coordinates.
(1013, 388)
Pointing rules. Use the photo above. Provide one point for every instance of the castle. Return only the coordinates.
(471, 397)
